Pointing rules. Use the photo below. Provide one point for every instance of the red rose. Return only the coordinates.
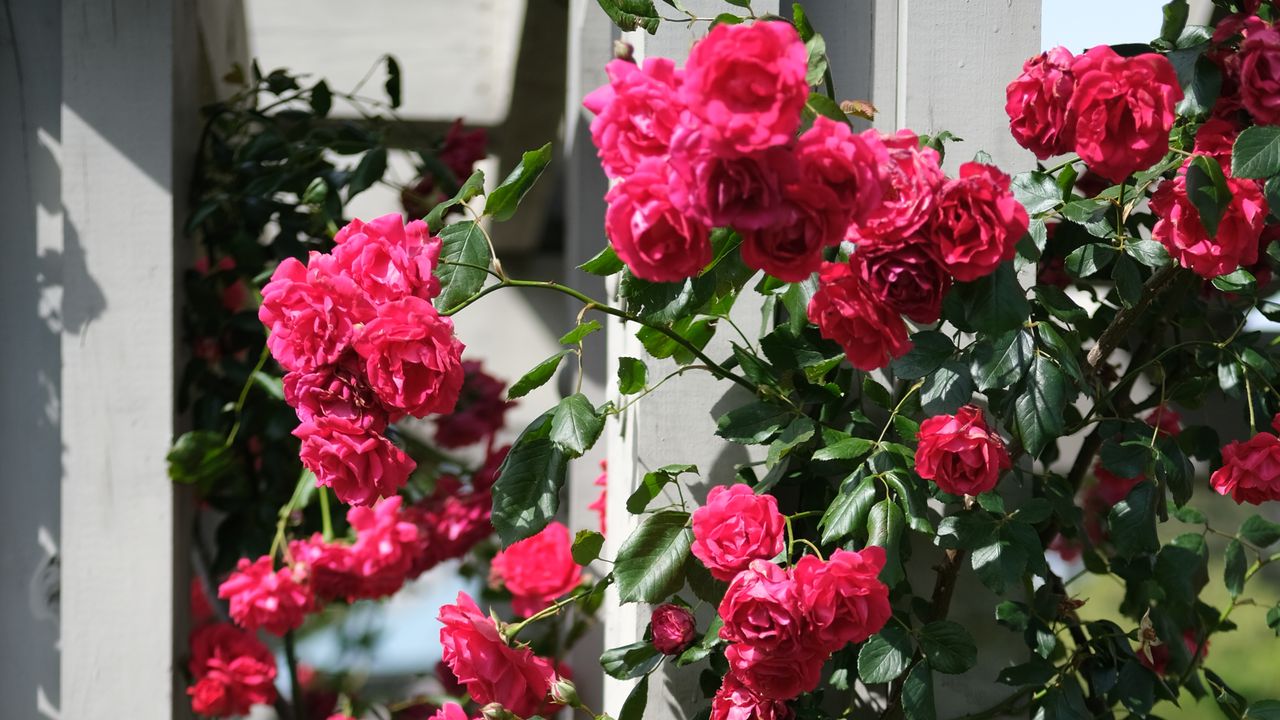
(1260, 75)
(480, 411)
(1216, 138)
(830, 154)
(1166, 419)
(735, 701)
(908, 185)
(978, 222)
(843, 598)
(734, 527)
(780, 674)
(1124, 109)
(385, 549)
(361, 466)
(745, 192)
(672, 627)
(960, 453)
(232, 670)
(636, 113)
(1037, 104)
(791, 249)
(847, 311)
(387, 260)
(412, 358)
(263, 597)
(537, 570)
(1112, 488)
(761, 608)
(1250, 471)
(492, 670)
(330, 568)
(1158, 660)
(339, 391)
(1179, 229)
(747, 83)
(309, 326)
(910, 279)
(450, 523)
(655, 239)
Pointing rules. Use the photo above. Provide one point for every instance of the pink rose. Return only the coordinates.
(847, 311)
(537, 570)
(779, 674)
(909, 182)
(330, 568)
(388, 260)
(1179, 229)
(1216, 138)
(745, 192)
(492, 670)
(450, 523)
(339, 390)
(830, 154)
(412, 359)
(600, 506)
(735, 701)
(309, 324)
(1250, 471)
(385, 549)
(1260, 75)
(480, 412)
(747, 82)
(791, 249)
(262, 597)
(672, 627)
(843, 598)
(1124, 109)
(960, 453)
(449, 711)
(761, 608)
(978, 222)
(734, 527)
(636, 114)
(657, 241)
(1038, 104)
(911, 280)
(232, 671)
(1112, 488)
(359, 465)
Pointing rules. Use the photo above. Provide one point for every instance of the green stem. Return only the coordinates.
(325, 518)
(244, 395)
(553, 609)
(295, 687)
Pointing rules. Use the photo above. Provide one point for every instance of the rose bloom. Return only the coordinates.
(1260, 75)
(636, 113)
(262, 597)
(831, 154)
(1158, 663)
(388, 260)
(450, 523)
(1037, 103)
(908, 185)
(232, 670)
(781, 673)
(537, 570)
(198, 600)
(747, 82)
(1216, 138)
(843, 598)
(1179, 229)
(846, 310)
(978, 222)
(491, 670)
(745, 192)
(791, 250)
(339, 390)
(309, 325)
(1124, 109)
(735, 701)
(450, 711)
(658, 242)
(600, 506)
(487, 475)
(480, 411)
(1112, 488)
(912, 280)
(385, 547)
(672, 627)
(412, 358)
(361, 466)
(330, 567)
(761, 608)
(1250, 471)
(734, 527)
(1166, 419)
(960, 453)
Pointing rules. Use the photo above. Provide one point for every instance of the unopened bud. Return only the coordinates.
(495, 711)
(672, 627)
(623, 50)
(563, 692)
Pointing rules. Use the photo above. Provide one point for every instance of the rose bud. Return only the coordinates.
(673, 628)
(563, 692)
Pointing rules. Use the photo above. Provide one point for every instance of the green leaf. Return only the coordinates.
(505, 198)
(604, 264)
(1235, 566)
(1256, 153)
(917, 694)
(753, 424)
(1148, 252)
(817, 49)
(586, 546)
(1263, 710)
(464, 260)
(819, 104)
(1207, 189)
(709, 641)
(1094, 215)
(652, 483)
(948, 646)
(992, 304)
(650, 565)
(1259, 531)
(537, 377)
(575, 336)
(949, 387)
(849, 510)
(633, 707)
(1059, 304)
(200, 457)
(1002, 362)
(270, 384)
(929, 349)
(1175, 19)
(884, 528)
(885, 656)
(850, 448)
(1037, 191)
(631, 14)
(1132, 522)
(630, 661)
(999, 564)
(473, 186)
(1202, 82)
(632, 375)
(1127, 459)
(911, 495)
(1038, 409)
(368, 171)
(1240, 280)
(800, 431)
(526, 495)
(1128, 280)
(1135, 687)
(1087, 260)
(1272, 190)
(392, 85)
(321, 99)
(576, 425)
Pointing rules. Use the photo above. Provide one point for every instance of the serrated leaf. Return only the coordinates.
(1059, 304)
(1260, 532)
(885, 656)
(1148, 252)
(884, 528)
(949, 387)
(650, 563)
(586, 546)
(1256, 153)
(630, 661)
(575, 425)
(929, 349)
(1002, 362)
(1240, 280)
(368, 171)
(604, 264)
(537, 377)
(847, 449)
(1234, 567)
(632, 14)
(753, 424)
(1036, 190)
(1208, 192)
(464, 259)
(472, 187)
(1132, 522)
(632, 375)
(800, 431)
(526, 495)
(652, 483)
(849, 510)
(505, 198)
(1038, 409)
(1175, 19)
(575, 336)
(948, 646)
(633, 707)
(917, 694)
(1087, 260)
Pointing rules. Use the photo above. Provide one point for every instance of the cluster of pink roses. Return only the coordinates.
(363, 347)
(782, 624)
(960, 453)
(231, 670)
(1250, 471)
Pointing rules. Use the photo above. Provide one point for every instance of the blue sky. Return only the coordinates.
(1081, 24)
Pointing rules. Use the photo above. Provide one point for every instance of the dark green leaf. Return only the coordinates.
(650, 564)
(1175, 19)
(586, 546)
(1087, 260)
(464, 260)
(1133, 522)
(756, 370)
(1038, 409)
(1207, 189)
(819, 104)
(392, 85)
(1205, 84)
(537, 377)
(1240, 280)
(849, 510)
(368, 171)
(630, 661)
(949, 387)
(1148, 252)
(473, 186)
(885, 656)
(633, 707)
(505, 198)
(526, 495)
(753, 424)
(1259, 531)
(1002, 362)
(632, 375)
(631, 14)
(1263, 710)
(948, 646)
(321, 99)
(817, 49)
(917, 694)
(604, 264)
(800, 431)
(884, 528)
(1128, 280)
(200, 457)
(703, 647)
(652, 483)
(1059, 304)
(576, 425)
(850, 448)
(1126, 460)
(929, 349)
(575, 336)
(911, 496)
(1135, 687)
(992, 304)
(1235, 565)
(999, 564)
(1256, 153)
(1036, 191)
